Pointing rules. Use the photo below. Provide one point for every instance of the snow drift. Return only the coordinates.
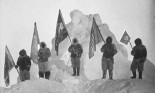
(76, 85)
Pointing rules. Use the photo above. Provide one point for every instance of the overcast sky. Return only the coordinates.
(17, 19)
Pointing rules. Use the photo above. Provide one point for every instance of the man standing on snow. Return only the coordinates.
(76, 51)
(43, 54)
(24, 64)
(109, 50)
(140, 53)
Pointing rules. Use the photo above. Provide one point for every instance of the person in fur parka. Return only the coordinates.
(43, 55)
(24, 64)
(76, 51)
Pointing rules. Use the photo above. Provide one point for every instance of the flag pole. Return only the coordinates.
(130, 44)
(69, 39)
(17, 71)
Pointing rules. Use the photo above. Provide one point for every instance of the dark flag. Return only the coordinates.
(95, 38)
(34, 45)
(125, 38)
(61, 32)
(9, 64)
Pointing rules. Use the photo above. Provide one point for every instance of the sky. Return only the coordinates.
(17, 19)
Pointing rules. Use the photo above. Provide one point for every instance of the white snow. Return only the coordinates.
(76, 85)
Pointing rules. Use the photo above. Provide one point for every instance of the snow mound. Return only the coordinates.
(119, 86)
(80, 27)
(38, 86)
(73, 86)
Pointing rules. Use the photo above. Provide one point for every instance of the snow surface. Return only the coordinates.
(77, 85)
(89, 80)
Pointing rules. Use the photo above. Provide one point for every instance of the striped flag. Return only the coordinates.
(125, 38)
(34, 45)
(61, 32)
(95, 38)
(9, 64)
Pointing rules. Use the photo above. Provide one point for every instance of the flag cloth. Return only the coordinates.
(34, 45)
(98, 36)
(9, 64)
(125, 38)
(92, 44)
(61, 32)
(95, 38)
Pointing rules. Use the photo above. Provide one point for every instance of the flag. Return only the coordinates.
(61, 32)
(98, 36)
(95, 38)
(9, 64)
(34, 45)
(92, 44)
(125, 38)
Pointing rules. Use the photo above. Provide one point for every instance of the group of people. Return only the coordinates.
(24, 63)
(138, 52)
(109, 49)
